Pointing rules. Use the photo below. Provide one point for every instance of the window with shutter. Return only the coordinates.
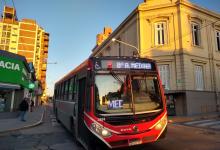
(160, 33)
(199, 80)
(164, 75)
(196, 34)
(218, 40)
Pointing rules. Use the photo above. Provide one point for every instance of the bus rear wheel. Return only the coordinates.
(72, 128)
(56, 115)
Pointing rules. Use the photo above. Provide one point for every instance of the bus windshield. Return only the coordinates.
(126, 94)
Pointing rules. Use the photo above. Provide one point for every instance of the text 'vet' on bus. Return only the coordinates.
(115, 101)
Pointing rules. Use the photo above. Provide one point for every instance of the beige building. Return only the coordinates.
(25, 38)
(184, 39)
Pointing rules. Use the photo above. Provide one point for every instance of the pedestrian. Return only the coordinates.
(23, 107)
(31, 105)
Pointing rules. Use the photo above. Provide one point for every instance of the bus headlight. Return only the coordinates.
(162, 123)
(106, 133)
(100, 130)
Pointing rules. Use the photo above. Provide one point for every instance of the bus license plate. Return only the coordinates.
(135, 142)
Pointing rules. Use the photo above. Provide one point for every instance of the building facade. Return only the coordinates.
(184, 39)
(25, 38)
(17, 81)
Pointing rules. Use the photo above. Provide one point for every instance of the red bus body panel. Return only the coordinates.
(123, 135)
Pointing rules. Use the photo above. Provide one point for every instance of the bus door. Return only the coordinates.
(81, 100)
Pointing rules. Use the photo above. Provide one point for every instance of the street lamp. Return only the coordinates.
(119, 41)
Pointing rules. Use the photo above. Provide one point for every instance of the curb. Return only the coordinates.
(27, 126)
(173, 120)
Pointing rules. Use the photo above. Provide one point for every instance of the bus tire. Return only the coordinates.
(89, 140)
(94, 143)
(56, 115)
(72, 129)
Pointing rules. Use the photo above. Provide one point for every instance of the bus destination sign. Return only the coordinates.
(133, 65)
(123, 64)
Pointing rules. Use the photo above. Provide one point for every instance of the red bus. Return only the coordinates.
(114, 101)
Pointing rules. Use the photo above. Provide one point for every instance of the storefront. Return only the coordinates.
(15, 80)
(176, 103)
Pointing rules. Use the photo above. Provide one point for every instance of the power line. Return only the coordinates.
(5, 2)
(159, 46)
(13, 3)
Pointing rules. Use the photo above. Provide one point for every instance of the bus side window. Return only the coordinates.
(59, 93)
(71, 95)
(74, 88)
(63, 93)
(55, 91)
(61, 90)
(66, 91)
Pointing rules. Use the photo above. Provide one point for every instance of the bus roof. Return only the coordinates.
(71, 73)
(123, 58)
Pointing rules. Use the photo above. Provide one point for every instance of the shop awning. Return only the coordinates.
(9, 86)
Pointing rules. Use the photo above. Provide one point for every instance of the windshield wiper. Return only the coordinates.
(132, 97)
(116, 77)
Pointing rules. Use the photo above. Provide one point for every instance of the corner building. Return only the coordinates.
(15, 78)
(25, 38)
(184, 39)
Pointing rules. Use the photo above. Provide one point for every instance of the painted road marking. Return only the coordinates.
(197, 122)
(209, 124)
(216, 127)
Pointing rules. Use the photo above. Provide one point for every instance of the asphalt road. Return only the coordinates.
(52, 136)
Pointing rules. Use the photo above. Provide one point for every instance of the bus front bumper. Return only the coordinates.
(116, 141)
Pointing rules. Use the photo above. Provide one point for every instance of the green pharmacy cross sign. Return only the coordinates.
(31, 86)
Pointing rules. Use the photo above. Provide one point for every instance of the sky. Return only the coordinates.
(74, 24)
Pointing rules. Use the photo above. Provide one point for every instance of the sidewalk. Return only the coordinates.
(32, 119)
(180, 119)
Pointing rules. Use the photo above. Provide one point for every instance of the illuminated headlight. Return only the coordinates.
(162, 123)
(106, 133)
(100, 130)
